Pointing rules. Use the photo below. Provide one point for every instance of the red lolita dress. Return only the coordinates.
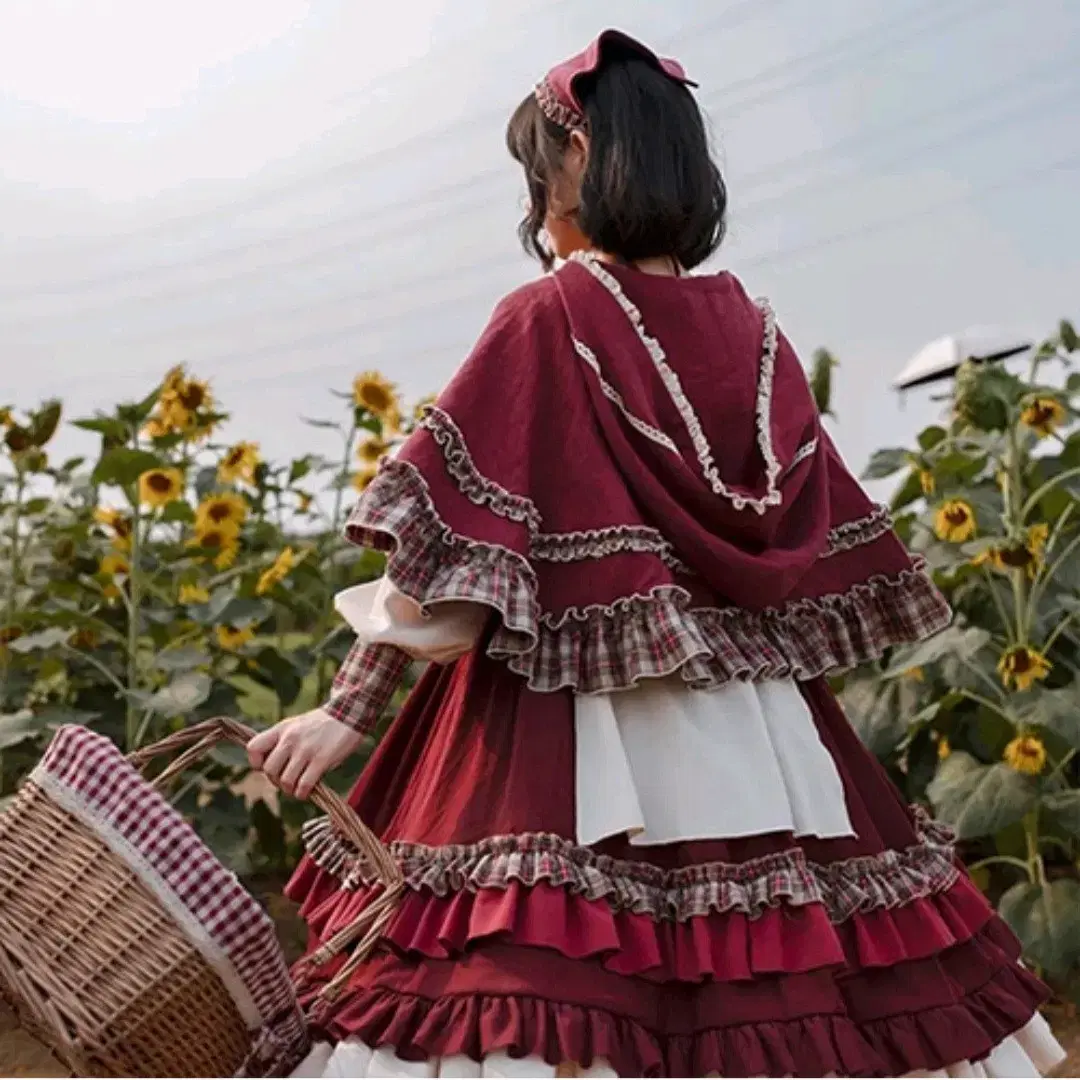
(638, 835)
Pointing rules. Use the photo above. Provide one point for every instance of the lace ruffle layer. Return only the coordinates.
(890, 880)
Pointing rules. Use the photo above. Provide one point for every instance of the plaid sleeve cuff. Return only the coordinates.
(365, 683)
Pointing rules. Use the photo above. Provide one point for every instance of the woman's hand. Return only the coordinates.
(297, 753)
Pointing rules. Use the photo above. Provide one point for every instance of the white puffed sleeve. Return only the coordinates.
(382, 614)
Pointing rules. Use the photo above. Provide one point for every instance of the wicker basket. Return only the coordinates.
(125, 945)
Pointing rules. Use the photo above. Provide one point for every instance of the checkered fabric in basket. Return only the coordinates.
(87, 775)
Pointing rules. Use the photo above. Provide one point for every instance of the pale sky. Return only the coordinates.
(281, 193)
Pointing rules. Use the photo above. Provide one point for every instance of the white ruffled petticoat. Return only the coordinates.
(1032, 1051)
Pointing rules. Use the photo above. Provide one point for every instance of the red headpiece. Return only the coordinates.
(556, 93)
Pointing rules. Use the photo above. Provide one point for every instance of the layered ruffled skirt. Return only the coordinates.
(632, 888)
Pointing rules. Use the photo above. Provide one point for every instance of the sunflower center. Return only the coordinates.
(956, 516)
(159, 482)
(375, 397)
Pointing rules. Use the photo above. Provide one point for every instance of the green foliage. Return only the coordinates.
(138, 608)
(983, 721)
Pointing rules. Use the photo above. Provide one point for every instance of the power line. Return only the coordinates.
(1069, 163)
(351, 297)
(467, 187)
(328, 335)
(497, 115)
(988, 125)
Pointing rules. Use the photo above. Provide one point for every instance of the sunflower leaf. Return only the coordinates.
(123, 466)
(185, 693)
(1046, 919)
(1065, 806)
(886, 462)
(980, 800)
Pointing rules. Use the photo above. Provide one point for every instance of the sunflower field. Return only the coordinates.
(983, 721)
(173, 579)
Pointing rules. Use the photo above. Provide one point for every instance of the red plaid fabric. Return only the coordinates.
(88, 776)
(365, 683)
(611, 647)
(890, 880)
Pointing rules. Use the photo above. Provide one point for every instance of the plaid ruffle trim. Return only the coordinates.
(604, 648)
(890, 880)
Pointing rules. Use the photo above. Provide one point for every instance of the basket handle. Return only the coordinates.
(199, 739)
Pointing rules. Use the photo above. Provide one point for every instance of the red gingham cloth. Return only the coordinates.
(94, 775)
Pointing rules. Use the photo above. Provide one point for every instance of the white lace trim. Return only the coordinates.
(600, 543)
(808, 449)
(616, 398)
(858, 531)
(740, 501)
(477, 487)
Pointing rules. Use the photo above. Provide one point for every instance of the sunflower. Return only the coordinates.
(232, 638)
(156, 428)
(378, 395)
(85, 638)
(362, 479)
(1021, 665)
(159, 487)
(222, 540)
(223, 508)
(372, 451)
(239, 463)
(118, 522)
(954, 521)
(1026, 754)
(6, 417)
(422, 406)
(926, 481)
(943, 748)
(114, 565)
(194, 594)
(1044, 415)
(277, 573)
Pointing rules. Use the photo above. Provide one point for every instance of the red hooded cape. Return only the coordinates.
(630, 470)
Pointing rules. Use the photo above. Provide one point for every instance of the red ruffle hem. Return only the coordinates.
(870, 955)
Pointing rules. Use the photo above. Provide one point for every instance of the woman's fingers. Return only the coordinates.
(261, 745)
(275, 763)
(311, 776)
(294, 768)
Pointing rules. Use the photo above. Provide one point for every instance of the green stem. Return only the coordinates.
(1003, 860)
(1014, 518)
(1035, 869)
(94, 662)
(998, 602)
(323, 674)
(986, 703)
(1057, 631)
(1040, 586)
(1042, 489)
(11, 601)
(131, 724)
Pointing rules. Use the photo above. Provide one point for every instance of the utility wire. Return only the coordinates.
(495, 117)
(251, 359)
(473, 190)
(371, 297)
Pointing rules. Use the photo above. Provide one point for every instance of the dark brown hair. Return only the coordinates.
(650, 187)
